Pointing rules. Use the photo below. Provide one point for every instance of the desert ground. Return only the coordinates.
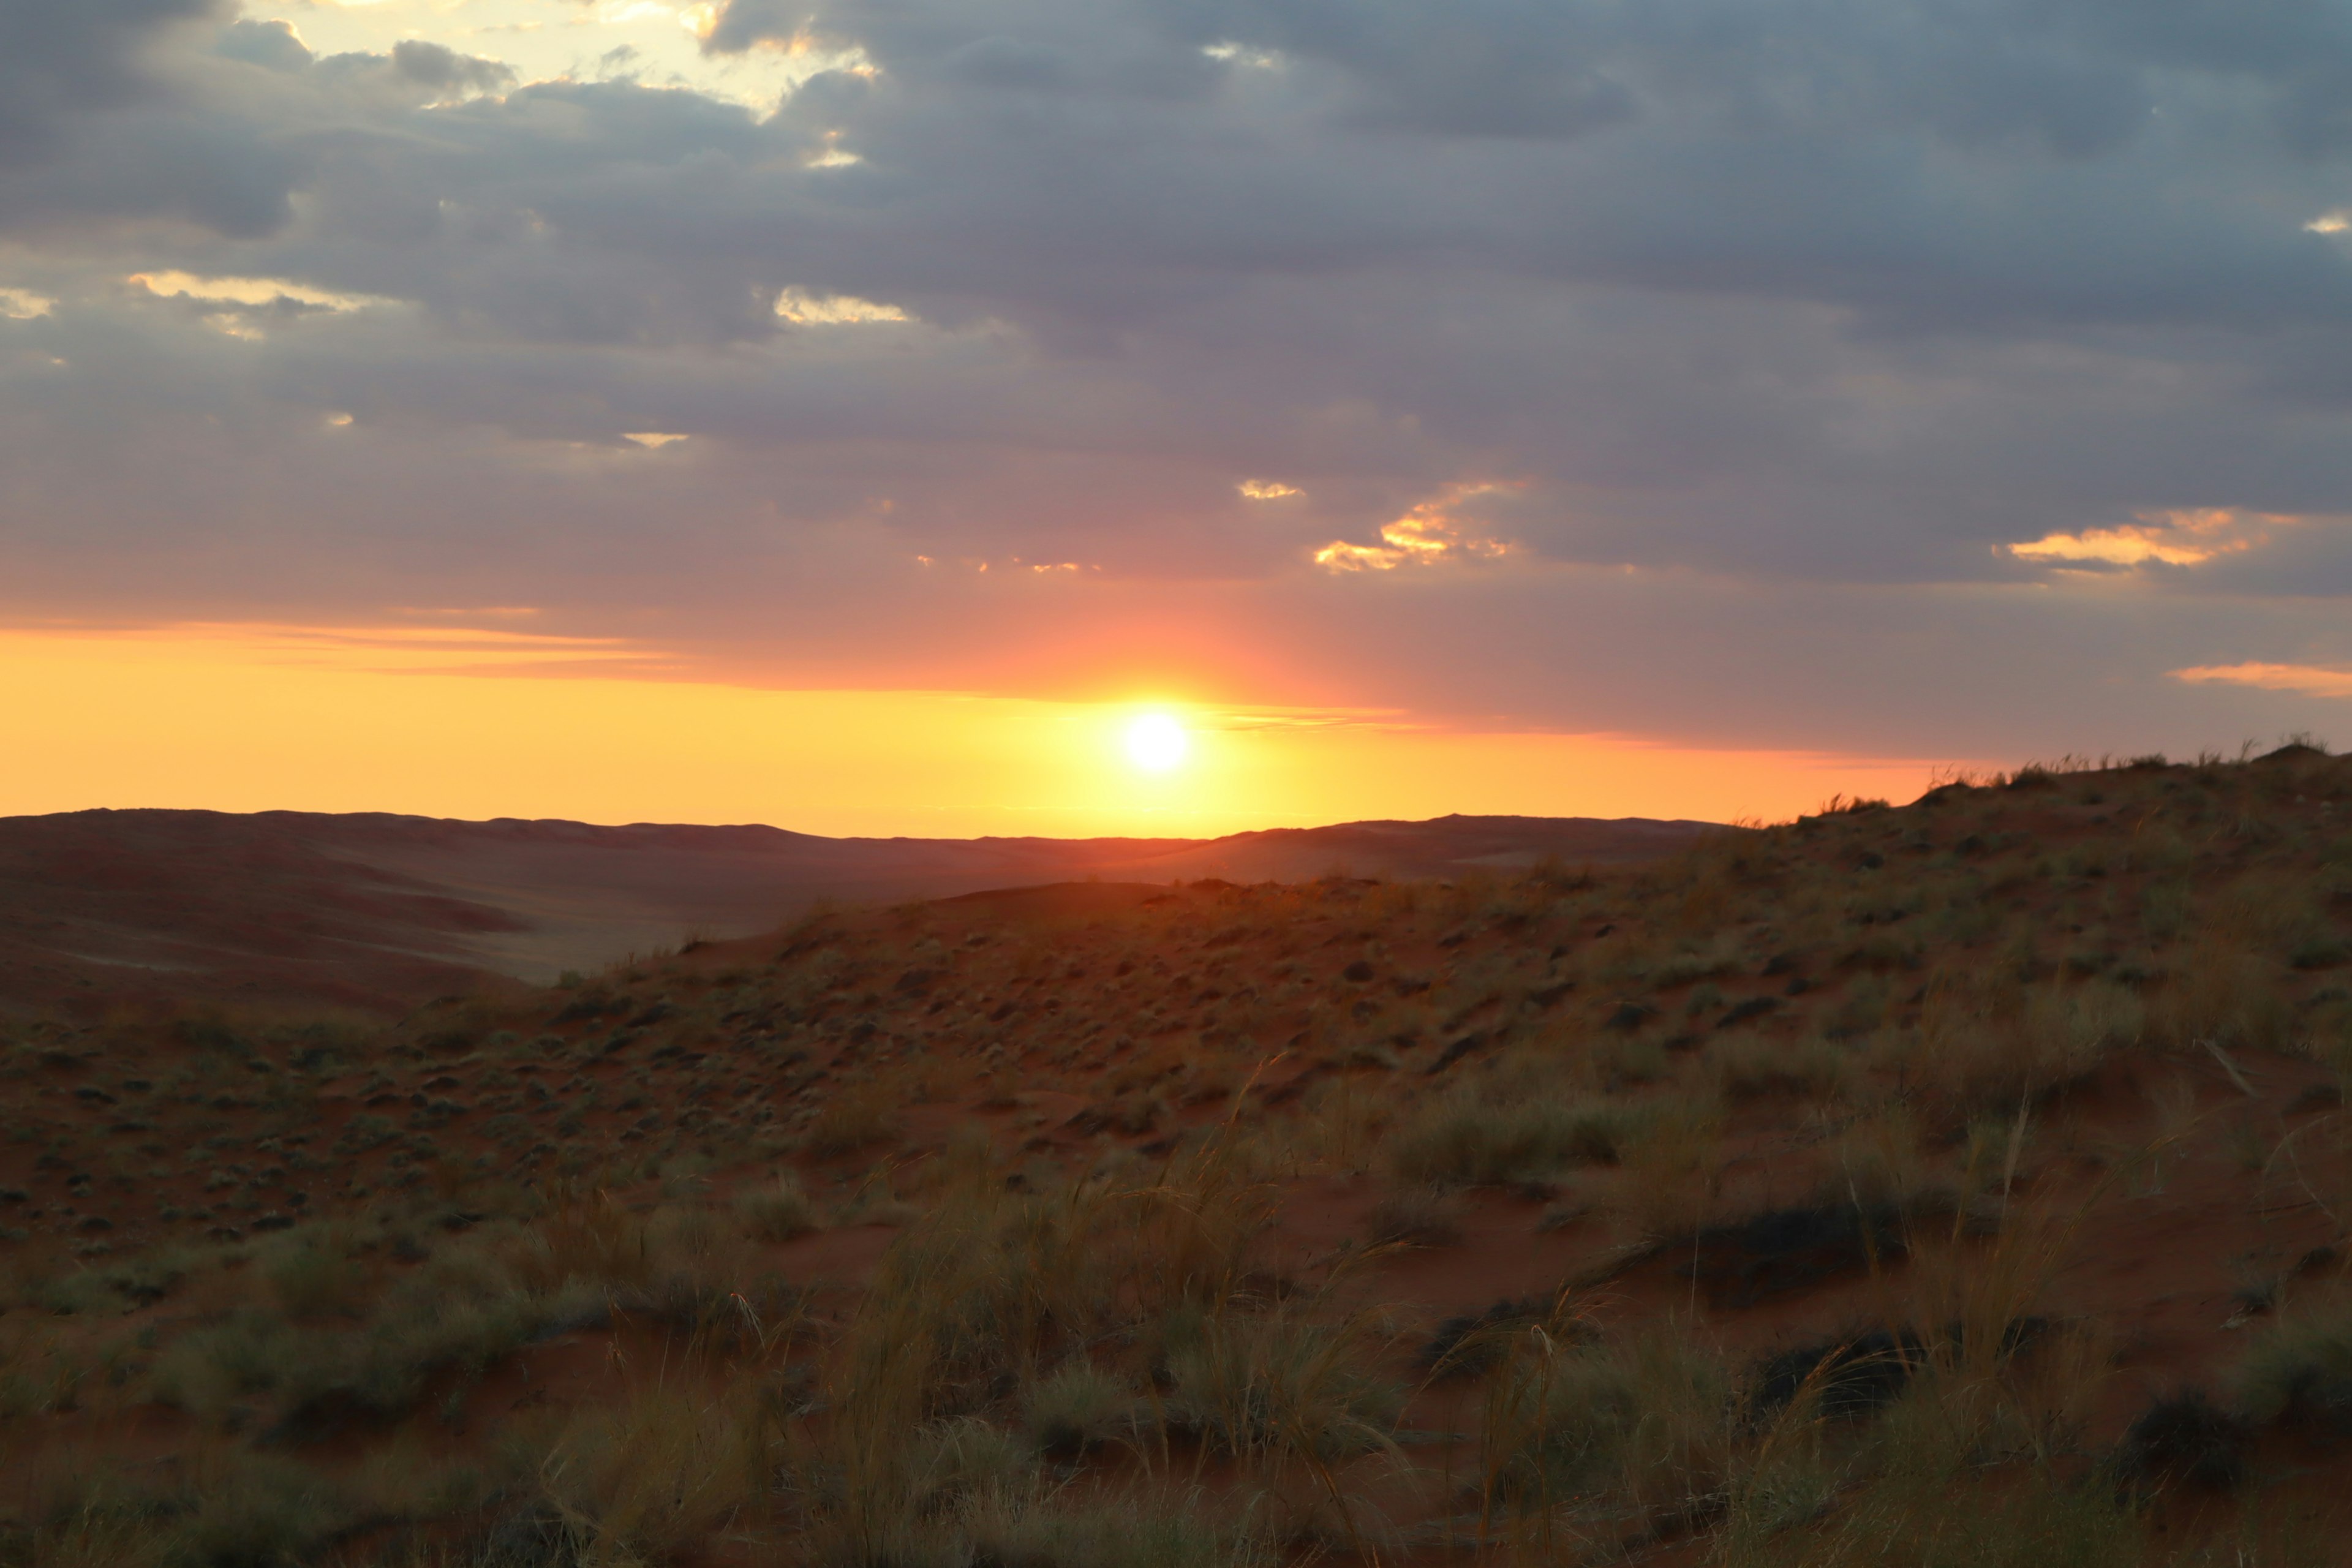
(1962, 1183)
(381, 912)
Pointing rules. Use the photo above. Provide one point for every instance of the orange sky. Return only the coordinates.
(462, 722)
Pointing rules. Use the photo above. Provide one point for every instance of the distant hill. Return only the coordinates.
(379, 911)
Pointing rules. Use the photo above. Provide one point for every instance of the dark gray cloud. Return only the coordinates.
(1768, 325)
(92, 129)
(444, 70)
(59, 60)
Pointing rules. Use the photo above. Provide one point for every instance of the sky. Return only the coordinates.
(853, 416)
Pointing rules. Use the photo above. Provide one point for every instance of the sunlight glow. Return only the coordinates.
(1156, 742)
(466, 711)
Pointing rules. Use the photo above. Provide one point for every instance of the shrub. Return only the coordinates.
(205, 1370)
(2186, 1437)
(655, 1477)
(262, 1514)
(1790, 1248)
(779, 1212)
(2300, 1367)
(2224, 995)
(1076, 1407)
(1275, 1383)
(1038, 1529)
(1647, 1423)
(1466, 1139)
(853, 1119)
(1750, 1069)
(314, 1277)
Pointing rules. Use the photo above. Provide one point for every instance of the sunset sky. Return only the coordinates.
(856, 416)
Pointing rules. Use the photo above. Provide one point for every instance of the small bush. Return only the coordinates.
(1270, 1384)
(1791, 1248)
(1840, 1379)
(262, 1515)
(853, 1119)
(1075, 1408)
(778, 1213)
(1467, 1140)
(1752, 1068)
(314, 1278)
(1469, 1344)
(2184, 1437)
(1649, 1423)
(1035, 1529)
(655, 1477)
(2301, 1369)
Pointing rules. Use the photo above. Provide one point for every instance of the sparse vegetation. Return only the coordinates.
(1963, 1183)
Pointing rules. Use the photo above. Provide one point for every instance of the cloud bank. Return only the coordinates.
(1917, 375)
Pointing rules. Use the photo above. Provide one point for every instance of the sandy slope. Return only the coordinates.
(381, 911)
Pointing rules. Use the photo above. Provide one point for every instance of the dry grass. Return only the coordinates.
(1094, 1341)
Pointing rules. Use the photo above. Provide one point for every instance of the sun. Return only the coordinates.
(1157, 742)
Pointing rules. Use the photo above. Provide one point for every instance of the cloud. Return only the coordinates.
(444, 70)
(174, 285)
(806, 309)
(272, 45)
(1858, 370)
(2189, 538)
(57, 62)
(1431, 532)
(2310, 680)
(97, 123)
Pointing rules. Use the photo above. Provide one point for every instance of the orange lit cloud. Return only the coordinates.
(2311, 680)
(1429, 533)
(2169, 538)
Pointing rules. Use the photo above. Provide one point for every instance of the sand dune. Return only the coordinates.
(381, 911)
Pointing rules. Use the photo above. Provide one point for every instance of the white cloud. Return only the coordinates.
(655, 439)
(659, 43)
(23, 304)
(1242, 54)
(833, 310)
(1268, 490)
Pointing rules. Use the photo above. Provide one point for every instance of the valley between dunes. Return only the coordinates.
(1963, 1182)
